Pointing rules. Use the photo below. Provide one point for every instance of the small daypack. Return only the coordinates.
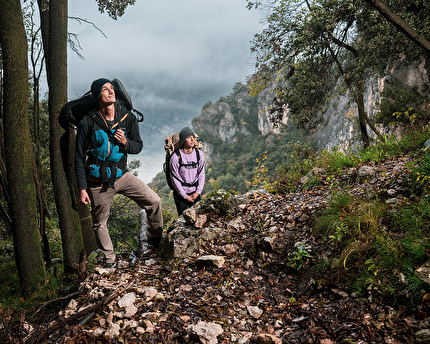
(72, 112)
(172, 145)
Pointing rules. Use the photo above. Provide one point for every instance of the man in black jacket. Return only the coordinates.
(102, 146)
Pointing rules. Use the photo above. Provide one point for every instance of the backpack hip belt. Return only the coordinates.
(194, 184)
(113, 168)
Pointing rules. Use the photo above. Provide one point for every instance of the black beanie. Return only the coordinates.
(96, 87)
(184, 133)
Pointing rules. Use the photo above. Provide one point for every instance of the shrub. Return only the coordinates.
(379, 246)
(219, 202)
(400, 104)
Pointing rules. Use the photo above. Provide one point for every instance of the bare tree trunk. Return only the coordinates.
(362, 120)
(71, 235)
(65, 143)
(18, 146)
(68, 148)
(360, 104)
(359, 100)
(36, 55)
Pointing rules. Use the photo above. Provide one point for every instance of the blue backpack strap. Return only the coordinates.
(94, 117)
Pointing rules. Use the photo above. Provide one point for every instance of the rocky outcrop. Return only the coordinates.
(339, 122)
(218, 120)
(339, 127)
(189, 232)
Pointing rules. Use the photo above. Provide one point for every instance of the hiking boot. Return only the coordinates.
(149, 247)
(155, 242)
(148, 251)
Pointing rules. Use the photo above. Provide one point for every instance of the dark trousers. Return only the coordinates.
(182, 204)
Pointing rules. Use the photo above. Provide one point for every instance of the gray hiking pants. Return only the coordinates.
(133, 188)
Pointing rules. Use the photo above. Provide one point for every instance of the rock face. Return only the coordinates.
(225, 126)
(339, 126)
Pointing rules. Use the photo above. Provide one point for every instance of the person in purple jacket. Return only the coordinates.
(187, 171)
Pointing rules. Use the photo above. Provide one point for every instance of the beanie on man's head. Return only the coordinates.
(184, 133)
(96, 87)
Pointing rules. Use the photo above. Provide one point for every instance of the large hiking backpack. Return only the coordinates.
(171, 146)
(72, 112)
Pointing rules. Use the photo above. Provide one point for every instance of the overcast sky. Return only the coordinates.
(173, 56)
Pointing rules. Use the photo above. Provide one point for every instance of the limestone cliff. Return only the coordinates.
(239, 113)
(340, 120)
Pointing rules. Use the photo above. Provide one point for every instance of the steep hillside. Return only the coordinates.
(271, 276)
(236, 140)
(239, 131)
(238, 136)
(245, 150)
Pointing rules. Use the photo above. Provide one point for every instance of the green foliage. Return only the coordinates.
(10, 285)
(401, 104)
(220, 202)
(412, 140)
(303, 159)
(124, 224)
(290, 173)
(374, 154)
(114, 8)
(10, 289)
(338, 233)
(335, 160)
(209, 103)
(169, 219)
(380, 246)
(297, 258)
(421, 176)
(306, 47)
(312, 183)
(133, 166)
(54, 237)
(260, 176)
(335, 217)
(159, 185)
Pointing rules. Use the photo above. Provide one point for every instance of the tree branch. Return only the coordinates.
(38, 337)
(400, 24)
(79, 20)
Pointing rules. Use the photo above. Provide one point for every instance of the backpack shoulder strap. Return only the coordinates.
(198, 155)
(198, 152)
(96, 119)
(120, 110)
(178, 154)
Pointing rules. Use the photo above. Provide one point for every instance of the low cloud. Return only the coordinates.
(172, 56)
